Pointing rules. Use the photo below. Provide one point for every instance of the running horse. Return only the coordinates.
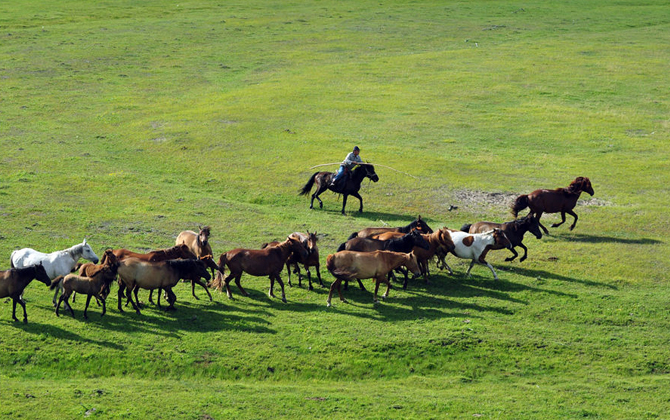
(514, 231)
(351, 187)
(561, 200)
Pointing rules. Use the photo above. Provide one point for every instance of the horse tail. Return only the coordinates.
(218, 280)
(353, 235)
(342, 247)
(466, 227)
(55, 282)
(11, 260)
(308, 186)
(520, 203)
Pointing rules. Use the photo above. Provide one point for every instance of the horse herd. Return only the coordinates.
(376, 253)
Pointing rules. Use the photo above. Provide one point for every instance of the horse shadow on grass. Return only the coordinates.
(596, 239)
(37, 328)
(549, 275)
(203, 316)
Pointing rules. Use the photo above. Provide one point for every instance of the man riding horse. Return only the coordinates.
(340, 178)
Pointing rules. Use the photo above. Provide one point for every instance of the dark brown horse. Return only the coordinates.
(514, 231)
(351, 187)
(561, 200)
(15, 280)
(257, 262)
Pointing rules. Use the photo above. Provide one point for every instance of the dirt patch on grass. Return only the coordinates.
(488, 202)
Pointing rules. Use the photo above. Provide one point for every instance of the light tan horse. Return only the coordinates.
(135, 273)
(350, 265)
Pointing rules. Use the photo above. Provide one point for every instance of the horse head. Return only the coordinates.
(203, 236)
(581, 184)
(109, 259)
(297, 247)
(87, 252)
(423, 226)
(41, 274)
(532, 225)
(501, 238)
(370, 171)
(412, 264)
(418, 240)
(311, 242)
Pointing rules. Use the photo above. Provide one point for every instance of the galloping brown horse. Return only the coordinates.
(353, 184)
(257, 262)
(561, 200)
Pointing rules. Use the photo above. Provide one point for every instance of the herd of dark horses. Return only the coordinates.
(376, 252)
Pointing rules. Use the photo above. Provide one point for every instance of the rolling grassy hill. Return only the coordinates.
(126, 122)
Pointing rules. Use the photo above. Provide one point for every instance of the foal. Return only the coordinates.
(97, 285)
(15, 280)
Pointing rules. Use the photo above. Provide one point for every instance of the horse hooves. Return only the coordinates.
(25, 320)
(310, 288)
(328, 304)
(284, 300)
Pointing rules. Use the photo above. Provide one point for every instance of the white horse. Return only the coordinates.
(58, 263)
(474, 246)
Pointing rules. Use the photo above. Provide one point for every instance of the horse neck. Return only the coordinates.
(284, 248)
(75, 251)
(26, 274)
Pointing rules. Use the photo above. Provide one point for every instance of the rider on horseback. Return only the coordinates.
(346, 166)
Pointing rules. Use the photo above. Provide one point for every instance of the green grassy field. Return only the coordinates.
(127, 122)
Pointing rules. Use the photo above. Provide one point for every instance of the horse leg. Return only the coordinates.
(281, 283)
(336, 284)
(495, 276)
(562, 221)
(122, 287)
(151, 296)
(388, 289)
(88, 300)
(104, 306)
(357, 195)
(129, 297)
(67, 305)
(226, 284)
(204, 286)
(573, 214)
(344, 202)
(318, 274)
(525, 252)
(515, 254)
(56, 294)
(537, 216)
(136, 290)
(467, 273)
(360, 284)
(288, 269)
(309, 278)
(23, 305)
(239, 286)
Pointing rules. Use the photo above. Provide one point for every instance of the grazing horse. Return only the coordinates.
(57, 263)
(15, 280)
(96, 285)
(514, 231)
(475, 246)
(350, 265)
(257, 262)
(561, 200)
(135, 273)
(373, 232)
(353, 184)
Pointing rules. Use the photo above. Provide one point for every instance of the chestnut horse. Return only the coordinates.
(351, 187)
(257, 262)
(561, 200)
(514, 231)
(96, 285)
(15, 280)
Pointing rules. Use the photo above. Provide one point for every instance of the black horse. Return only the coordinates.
(350, 187)
(514, 231)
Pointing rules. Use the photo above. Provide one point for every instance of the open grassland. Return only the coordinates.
(126, 122)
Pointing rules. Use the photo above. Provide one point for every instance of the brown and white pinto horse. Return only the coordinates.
(514, 231)
(350, 265)
(561, 200)
(257, 262)
(475, 246)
